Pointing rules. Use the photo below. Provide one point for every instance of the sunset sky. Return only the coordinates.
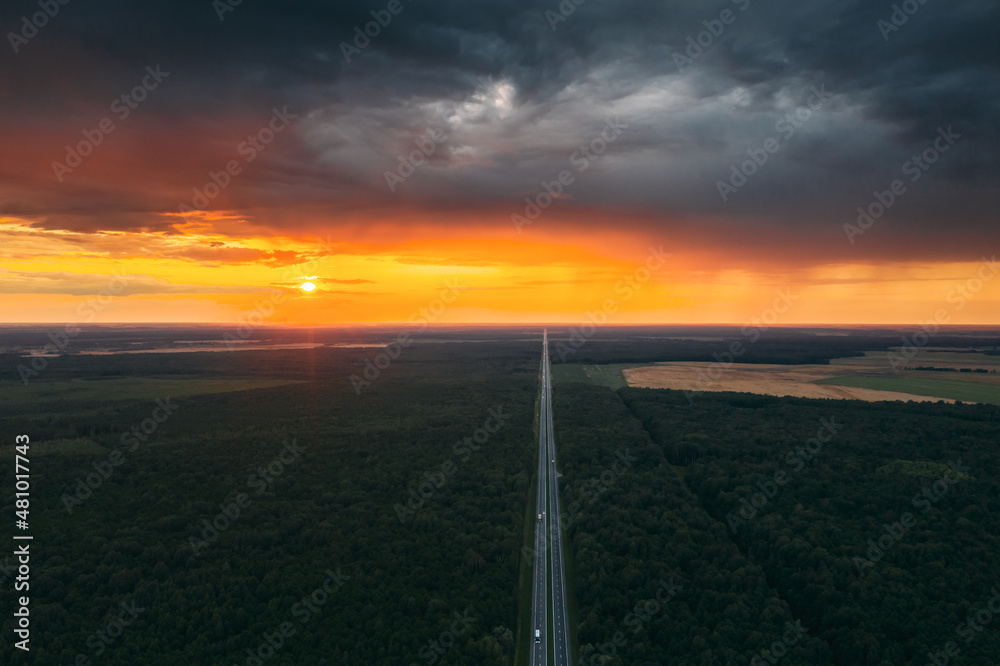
(213, 155)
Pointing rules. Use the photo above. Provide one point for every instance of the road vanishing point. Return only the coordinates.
(549, 618)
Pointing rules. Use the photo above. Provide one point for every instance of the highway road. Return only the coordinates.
(539, 596)
(560, 617)
(552, 628)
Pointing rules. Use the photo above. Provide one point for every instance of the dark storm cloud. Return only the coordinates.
(516, 98)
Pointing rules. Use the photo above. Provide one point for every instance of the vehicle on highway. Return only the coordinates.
(538, 635)
(539, 517)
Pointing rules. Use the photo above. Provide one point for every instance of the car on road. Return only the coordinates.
(539, 517)
(538, 635)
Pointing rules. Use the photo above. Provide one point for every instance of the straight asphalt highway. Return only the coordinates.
(548, 531)
(560, 617)
(539, 597)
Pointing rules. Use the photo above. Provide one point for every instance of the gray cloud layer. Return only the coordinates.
(517, 98)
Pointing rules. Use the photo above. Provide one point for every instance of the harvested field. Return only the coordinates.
(780, 380)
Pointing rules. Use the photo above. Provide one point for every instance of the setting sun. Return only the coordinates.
(307, 286)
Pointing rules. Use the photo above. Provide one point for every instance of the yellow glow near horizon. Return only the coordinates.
(209, 276)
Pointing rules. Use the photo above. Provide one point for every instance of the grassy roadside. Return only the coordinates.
(609, 375)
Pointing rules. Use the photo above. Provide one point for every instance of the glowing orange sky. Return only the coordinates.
(628, 147)
(198, 274)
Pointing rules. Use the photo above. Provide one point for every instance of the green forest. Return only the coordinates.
(254, 508)
(658, 579)
(870, 525)
(262, 524)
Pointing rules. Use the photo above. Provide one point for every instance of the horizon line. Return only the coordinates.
(442, 325)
